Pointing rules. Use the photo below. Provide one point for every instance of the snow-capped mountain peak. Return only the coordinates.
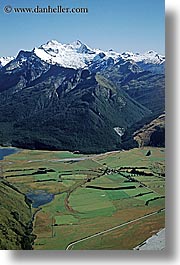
(74, 55)
(5, 60)
(76, 46)
(149, 57)
(78, 55)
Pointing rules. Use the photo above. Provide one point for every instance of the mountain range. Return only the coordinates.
(78, 55)
(72, 97)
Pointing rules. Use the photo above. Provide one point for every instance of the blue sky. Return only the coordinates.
(121, 25)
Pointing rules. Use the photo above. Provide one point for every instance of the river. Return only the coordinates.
(6, 151)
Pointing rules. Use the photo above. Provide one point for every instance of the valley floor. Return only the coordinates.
(108, 201)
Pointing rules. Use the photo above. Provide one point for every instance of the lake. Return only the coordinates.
(6, 152)
(39, 197)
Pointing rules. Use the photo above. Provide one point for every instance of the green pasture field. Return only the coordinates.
(125, 237)
(65, 220)
(147, 197)
(56, 206)
(146, 178)
(136, 191)
(86, 200)
(134, 157)
(116, 178)
(117, 194)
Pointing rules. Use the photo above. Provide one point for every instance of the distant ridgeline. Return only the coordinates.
(80, 99)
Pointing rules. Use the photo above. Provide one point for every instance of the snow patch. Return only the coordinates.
(120, 131)
(150, 57)
(5, 60)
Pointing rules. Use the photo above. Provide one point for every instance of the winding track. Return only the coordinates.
(71, 245)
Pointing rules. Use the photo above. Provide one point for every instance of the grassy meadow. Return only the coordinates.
(91, 194)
